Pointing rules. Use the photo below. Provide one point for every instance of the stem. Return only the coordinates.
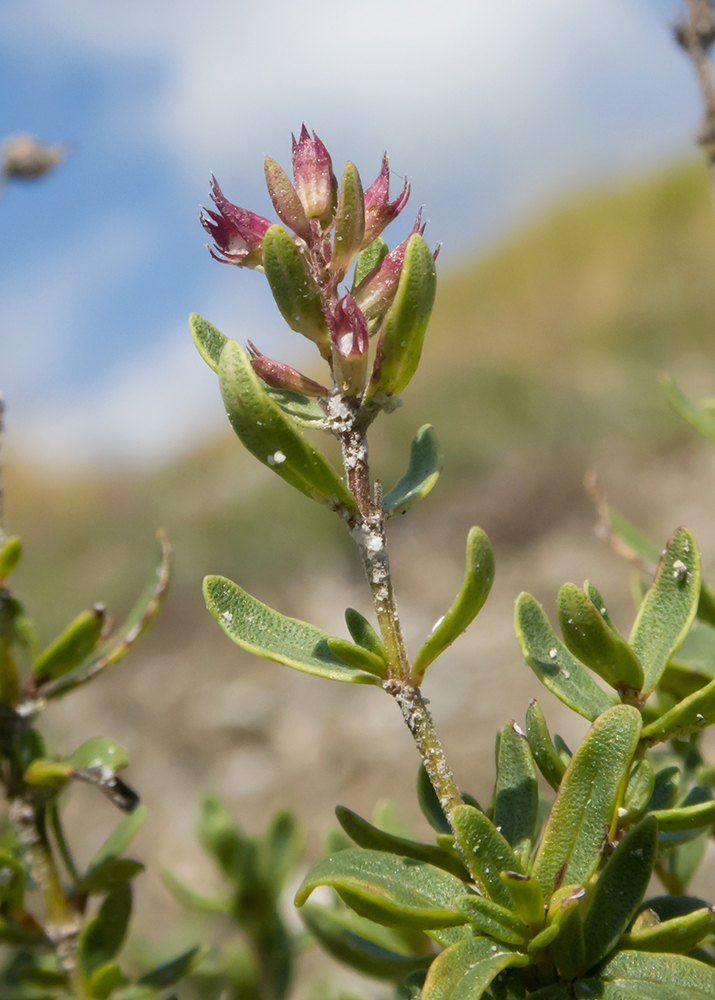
(369, 534)
(706, 81)
(2, 480)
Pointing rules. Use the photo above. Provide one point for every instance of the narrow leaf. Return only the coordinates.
(363, 633)
(349, 220)
(680, 934)
(634, 975)
(357, 657)
(494, 920)
(430, 804)
(368, 260)
(191, 899)
(669, 607)
(552, 663)
(582, 813)
(690, 715)
(465, 970)
(294, 288)
(702, 416)
(261, 630)
(121, 837)
(389, 890)
(272, 437)
(103, 936)
(516, 800)
(478, 578)
(686, 817)
(486, 853)
(171, 972)
(422, 473)
(641, 783)
(208, 340)
(545, 755)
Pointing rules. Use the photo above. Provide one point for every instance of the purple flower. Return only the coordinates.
(282, 376)
(237, 233)
(315, 182)
(379, 210)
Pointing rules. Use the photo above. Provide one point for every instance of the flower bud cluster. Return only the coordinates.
(326, 226)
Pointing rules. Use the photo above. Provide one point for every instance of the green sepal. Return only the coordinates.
(669, 608)
(635, 975)
(702, 416)
(368, 259)
(584, 808)
(516, 793)
(171, 972)
(350, 939)
(349, 220)
(103, 935)
(486, 853)
(372, 839)
(478, 578)
(465, 969)
(527, 895)
(357, 657)
(619, 891)
(10, 555)
(259, 629)
(272, 437)
(430, 805)
(494, 920)
(691, 715)
(294, 288)
(117, 645)
(593, 641)
(547, 759)
(553, 664)
(71, 647)
(680, 934)
(422, 473)
(639, 790)
(208, 340)
(362, 633)
(388, 889)
(402, 335)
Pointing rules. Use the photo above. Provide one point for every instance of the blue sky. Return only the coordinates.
(489, 108)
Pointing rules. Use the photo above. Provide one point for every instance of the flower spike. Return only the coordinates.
(379, 210)
(315, 182)
(282, 376)
(237, 233)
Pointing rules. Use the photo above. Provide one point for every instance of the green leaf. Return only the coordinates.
(464, 970)
(357, 657)
(669, 907)
(422, 473)
(368, 836)
(302, 409)
(594, 642)
(486, 853)
(641, 783)
(171, 972)
(478, 578)
(691, 715)
(136, 624)
(569, 948)
(634, 975)
(552, 663)
(584, 808)
(109, 875)
(12, 881)
(429, 803)
(402, 335)
(294, 288)
(272, 437)
(72, 647)
(680, 934)
(100, 753)
(665, 788)
(10, 554)
(527, 895)
(105, 981)
(261, 630)
(516, 798)
(619, 890)
(349, 219)
(218, 834)
(686, 817)
(545, 755)
(702, 416)
(283, 844)
(388, 889)
(345, 936)
(103, 936)
(368, 260)
(208, 340)
(363, 633)
(191, 899)
(692, 666)
(669, 607)
(494, 920)
(107, 870)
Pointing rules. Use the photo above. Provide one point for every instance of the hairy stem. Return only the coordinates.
(369, 534)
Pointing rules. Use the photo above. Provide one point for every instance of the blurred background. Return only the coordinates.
(551, 144)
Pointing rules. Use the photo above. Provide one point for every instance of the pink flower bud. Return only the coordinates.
(350, 339)
(315, 182)
(379, 210)
(282, 376)
(237, 233)
(376, 291)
